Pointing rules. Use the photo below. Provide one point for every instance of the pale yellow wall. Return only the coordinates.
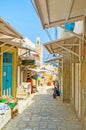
(60, 74)
(39, 48)
(83, 90)
(14, 69)
(66, 78)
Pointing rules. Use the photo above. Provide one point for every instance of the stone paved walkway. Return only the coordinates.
(45, 113)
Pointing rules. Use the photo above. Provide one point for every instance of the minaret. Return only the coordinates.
(39, 48)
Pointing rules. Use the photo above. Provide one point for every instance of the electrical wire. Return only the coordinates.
(47, 32)
(56, 33)
(33, 7)
(48, 35)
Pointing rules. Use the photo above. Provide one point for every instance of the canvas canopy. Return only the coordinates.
(62, 45)
(7, 29)
(53, 59)
(9, 36)
(56, 12)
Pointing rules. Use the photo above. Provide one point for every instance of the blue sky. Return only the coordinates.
(21, 15)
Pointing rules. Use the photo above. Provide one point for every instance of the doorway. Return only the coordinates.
(7, 74)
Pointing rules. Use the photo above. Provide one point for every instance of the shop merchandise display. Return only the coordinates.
(7, 104)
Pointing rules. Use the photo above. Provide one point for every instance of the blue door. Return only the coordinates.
(7, 74)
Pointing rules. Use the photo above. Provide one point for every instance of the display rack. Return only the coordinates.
(4, 118)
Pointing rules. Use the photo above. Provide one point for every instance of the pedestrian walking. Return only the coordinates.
(56, 89)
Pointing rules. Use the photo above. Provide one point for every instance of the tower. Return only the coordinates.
(39, 48)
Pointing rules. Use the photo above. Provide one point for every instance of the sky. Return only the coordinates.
(21, 15)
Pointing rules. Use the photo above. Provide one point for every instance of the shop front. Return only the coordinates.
(9, 41)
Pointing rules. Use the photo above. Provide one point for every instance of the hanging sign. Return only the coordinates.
(28, 62)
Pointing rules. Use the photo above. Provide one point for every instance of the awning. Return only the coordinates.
(53, 59)
(38, 70)
(56, 12)
(7, 29)
(9, 36)
(13, 42)
(63, 45)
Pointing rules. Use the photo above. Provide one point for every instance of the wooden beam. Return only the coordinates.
(49, 49)
(70, 5)
(77, 35)
(6, 50)
(70, 44)
(56, 58)
(4, 43)
(61, 40)
(60, 22)
(64, 48)
(39, 12)
(47, 12)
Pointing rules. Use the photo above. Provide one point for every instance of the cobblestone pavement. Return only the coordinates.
(45, 113)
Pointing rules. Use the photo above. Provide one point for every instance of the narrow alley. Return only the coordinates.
(45, 113)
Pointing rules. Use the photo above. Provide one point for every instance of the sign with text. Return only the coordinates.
(28, 62)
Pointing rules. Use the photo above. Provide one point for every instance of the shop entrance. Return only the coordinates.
(7, 74)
